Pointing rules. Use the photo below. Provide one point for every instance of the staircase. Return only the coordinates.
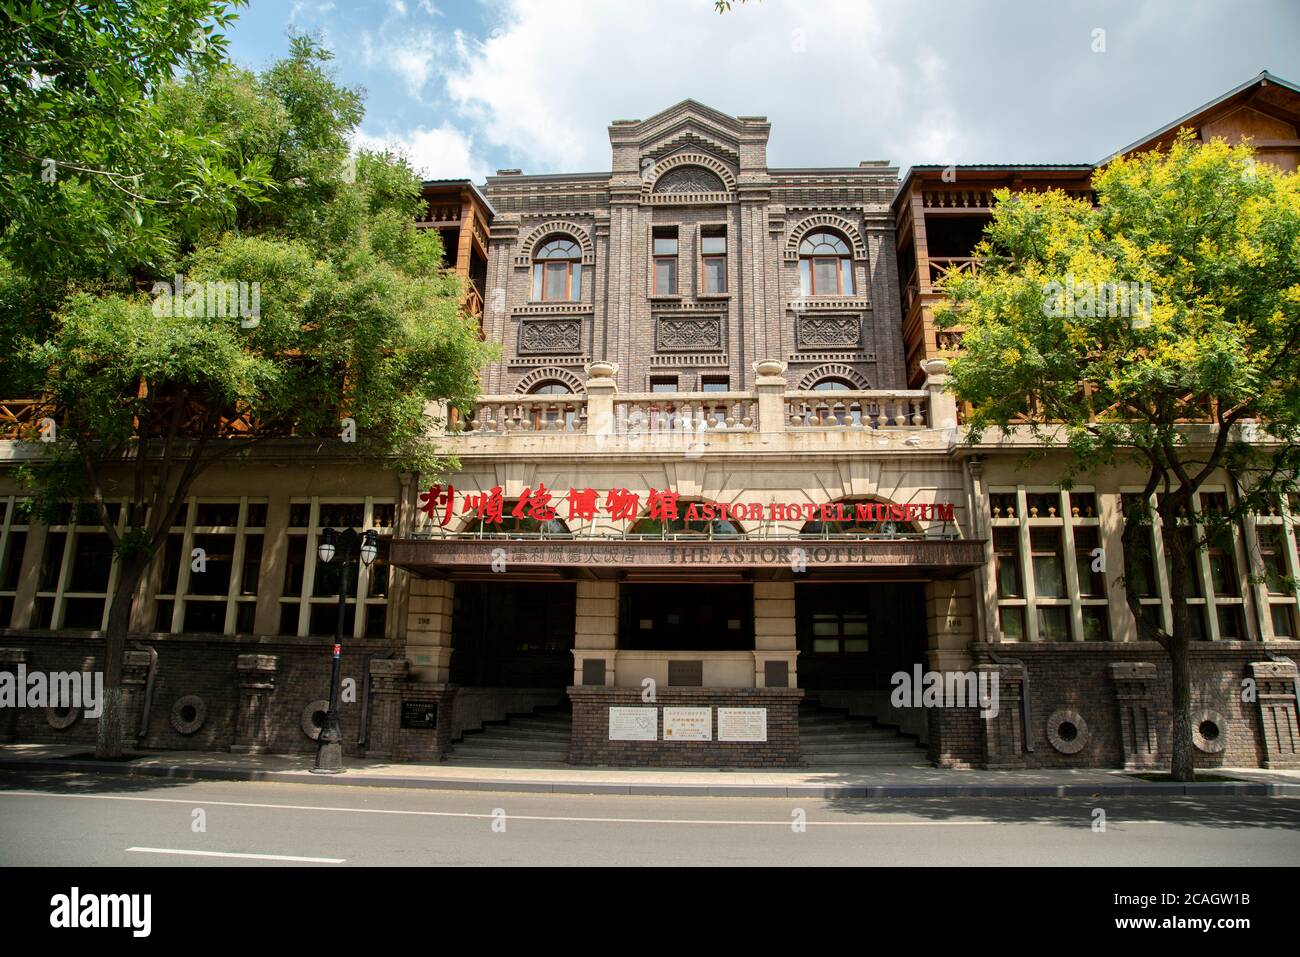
(829, 738)
(536, 740)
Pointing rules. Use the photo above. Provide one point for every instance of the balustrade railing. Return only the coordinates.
(858, 410)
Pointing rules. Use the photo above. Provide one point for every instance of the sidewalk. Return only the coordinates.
(883, 782)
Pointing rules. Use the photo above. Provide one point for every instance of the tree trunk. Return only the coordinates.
(1180, 550)
(111, 736)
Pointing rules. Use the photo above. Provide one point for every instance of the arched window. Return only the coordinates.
(518, 526)
(682, 527)
(544, 416)
(557, 270)
(852, 526)
(832, 385)
(825, 266)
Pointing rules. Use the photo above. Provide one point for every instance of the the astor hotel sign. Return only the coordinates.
(871, 548)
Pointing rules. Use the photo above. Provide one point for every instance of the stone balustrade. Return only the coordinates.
(769, 408)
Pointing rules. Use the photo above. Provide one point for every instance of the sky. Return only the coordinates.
(465, 88)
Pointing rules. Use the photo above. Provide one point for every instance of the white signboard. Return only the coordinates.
(633, 724)
(688, 724)
(742, 724)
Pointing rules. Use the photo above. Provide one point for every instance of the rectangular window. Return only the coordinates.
(715, 383)
(309, 604)
(1272, 552)
(1006, 545)
(1283, 621)
(1087, 552)
(1096, 623)
(14, 514)
(211, 567)
(1049, 569)
(713, 258)
(663, 383)
(1012, 618)
(1053, 623)
(665, 261)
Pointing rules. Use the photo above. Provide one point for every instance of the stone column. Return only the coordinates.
(1275, 691)
(770, 386)
(387, 677)
(428, 629)
(943, 406)
(775, 645)
(1004, 733)
(1137, 713)
(595, 633)
(601, 389)
(135, 686)
(10, 659)
(256, 703)
(950, 623)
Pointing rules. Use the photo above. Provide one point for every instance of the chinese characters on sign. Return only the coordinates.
(619, 504)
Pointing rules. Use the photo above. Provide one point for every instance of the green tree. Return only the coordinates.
(356, 323)
(1192, 373)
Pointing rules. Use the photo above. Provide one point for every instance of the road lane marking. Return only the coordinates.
(254, 857)
(540, 817)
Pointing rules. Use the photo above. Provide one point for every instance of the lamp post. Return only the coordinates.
(344, 547)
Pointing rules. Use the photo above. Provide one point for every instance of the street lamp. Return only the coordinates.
(346, 546)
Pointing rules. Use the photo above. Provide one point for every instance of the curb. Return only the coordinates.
(355, 779)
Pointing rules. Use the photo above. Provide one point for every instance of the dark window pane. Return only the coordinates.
(171, 563)
(205, 617)
(91, 563)
(256, 515)
(214, 513)
(1283, 621)
(211, 576)
(12, 564)
(1053, 624)
(297, 566)
(252, 565)
(1013, 623)
(52, 560)
(299, 515)
(1230, 623)
(245, 613)
(376, 620)
(289, 618)
(324, 620)
(83, 613)
(1096, 623)
(163, 616)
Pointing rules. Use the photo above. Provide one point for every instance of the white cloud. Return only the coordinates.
(410, 55)
(835, 78)
(442, 152)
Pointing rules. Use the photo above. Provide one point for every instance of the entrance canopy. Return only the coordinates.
(685, 559)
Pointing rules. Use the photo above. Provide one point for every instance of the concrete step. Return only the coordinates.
(507, 743)
(863, 761)
(509, 730)
(526, 756)
(841, 742)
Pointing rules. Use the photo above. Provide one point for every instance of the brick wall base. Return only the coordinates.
(590, 742)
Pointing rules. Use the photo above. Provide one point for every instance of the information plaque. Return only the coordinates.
(688, 724)
(742, 724)
(633, 724)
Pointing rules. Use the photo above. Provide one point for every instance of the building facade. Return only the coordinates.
(713, 501)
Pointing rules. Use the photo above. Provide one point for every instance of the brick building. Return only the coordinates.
(727, 379)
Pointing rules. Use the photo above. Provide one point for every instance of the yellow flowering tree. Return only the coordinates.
(1161, 326)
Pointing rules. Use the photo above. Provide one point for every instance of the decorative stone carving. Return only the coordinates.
(834, 370)
(1067, 731)
(1275, 696)
(1138, 721)
(825, 221)
(550, 335)
(310, 726)
(817, 331)
(188, 714)
(548, 373)
(689, 179)
(1209, 731)
(689, 333)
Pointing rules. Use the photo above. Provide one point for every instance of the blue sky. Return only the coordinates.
(464, 88)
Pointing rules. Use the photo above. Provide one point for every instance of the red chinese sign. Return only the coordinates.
(620, 504)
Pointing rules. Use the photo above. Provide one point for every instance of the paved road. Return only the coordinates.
(73, 819)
